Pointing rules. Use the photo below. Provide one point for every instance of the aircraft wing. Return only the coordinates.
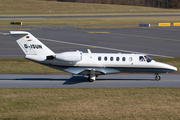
(87, 71)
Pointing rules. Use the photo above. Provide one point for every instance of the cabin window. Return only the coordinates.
(111, 58)
(123, 59)
(130, 58)
(105, 58)
(117, 58)
(99, 58)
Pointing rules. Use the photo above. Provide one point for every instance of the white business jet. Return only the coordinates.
(88, 64)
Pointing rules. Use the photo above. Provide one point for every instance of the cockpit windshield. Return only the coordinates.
(145, 58)
(148, 59)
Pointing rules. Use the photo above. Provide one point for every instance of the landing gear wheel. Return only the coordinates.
(157, 78)
(90, 80)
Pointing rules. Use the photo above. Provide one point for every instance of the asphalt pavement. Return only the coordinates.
(105, 81)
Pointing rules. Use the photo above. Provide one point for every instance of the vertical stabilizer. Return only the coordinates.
(31, 46)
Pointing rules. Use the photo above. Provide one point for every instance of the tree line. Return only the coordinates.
(149, 3)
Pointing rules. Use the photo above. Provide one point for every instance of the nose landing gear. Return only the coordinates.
(157, 77)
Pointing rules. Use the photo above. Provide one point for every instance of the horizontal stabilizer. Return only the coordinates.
(18, 33)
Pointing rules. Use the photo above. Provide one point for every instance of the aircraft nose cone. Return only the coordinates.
(174, 68)
(168, 68)
(171, 68)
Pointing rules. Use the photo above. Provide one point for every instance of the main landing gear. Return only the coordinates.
(157, 77)
(92, 78)
(92, 75)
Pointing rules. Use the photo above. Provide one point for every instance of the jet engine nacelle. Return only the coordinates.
(70, 56)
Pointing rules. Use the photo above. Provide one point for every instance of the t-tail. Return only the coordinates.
(31, 46)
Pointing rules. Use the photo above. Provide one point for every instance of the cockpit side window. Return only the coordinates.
(148, 59)
(145, 58)
(141, 59)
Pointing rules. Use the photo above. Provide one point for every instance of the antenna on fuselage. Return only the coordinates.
(89, 51)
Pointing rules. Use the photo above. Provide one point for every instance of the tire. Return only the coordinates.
(90, 80)
(157, 78)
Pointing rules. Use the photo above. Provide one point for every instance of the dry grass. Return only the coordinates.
(23, 66)
(90, 103)
(53, 7)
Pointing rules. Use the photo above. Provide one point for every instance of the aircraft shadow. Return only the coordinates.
(126, 79)
(75, 80)
(72, 80)
(81, 79)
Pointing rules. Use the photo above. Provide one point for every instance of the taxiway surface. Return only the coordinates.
(156, 42)
(106, 81)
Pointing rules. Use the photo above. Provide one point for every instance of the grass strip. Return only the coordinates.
(90, 103)
(23, 66)
(92, 22)
(89, 13)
